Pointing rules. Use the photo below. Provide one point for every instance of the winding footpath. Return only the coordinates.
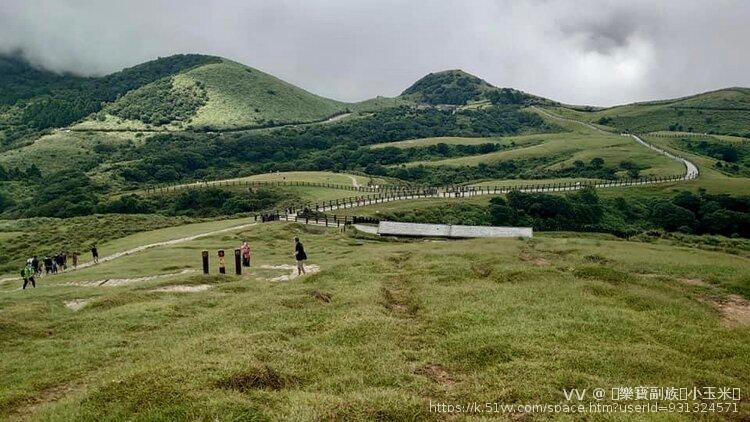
(691, 172)
(147, 246)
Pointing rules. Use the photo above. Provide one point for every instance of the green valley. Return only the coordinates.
(639, 256)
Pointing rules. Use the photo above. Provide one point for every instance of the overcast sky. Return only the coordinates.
(599, 52)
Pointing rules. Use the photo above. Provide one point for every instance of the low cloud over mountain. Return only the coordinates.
(594, 52)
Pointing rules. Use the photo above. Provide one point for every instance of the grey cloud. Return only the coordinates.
(604, 33)
(577, 51)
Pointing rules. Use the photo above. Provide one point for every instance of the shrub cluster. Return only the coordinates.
(161, 102)
(340, 147)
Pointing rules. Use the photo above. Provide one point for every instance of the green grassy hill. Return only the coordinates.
(33, 100)
(456, 87)
(224, 95)
(196, 118)
(725, 112)
(448, 87)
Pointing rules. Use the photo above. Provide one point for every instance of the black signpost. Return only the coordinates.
(237, 262)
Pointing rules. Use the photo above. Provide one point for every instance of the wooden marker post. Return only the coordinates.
(222, 263)
(237, 263)
(205, 262)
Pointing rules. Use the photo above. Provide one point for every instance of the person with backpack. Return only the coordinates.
(47, 265)
(95, 254)
(35, 265)
(300, 256)
(59, 262)
(27, 273)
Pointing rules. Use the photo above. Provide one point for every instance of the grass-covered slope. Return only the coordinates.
(224, 95)
(32, 99)
(725, 111)
(381, 331)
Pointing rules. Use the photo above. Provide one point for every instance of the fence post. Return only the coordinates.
(204, 255)
(237, 264)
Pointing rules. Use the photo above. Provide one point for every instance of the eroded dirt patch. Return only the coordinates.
(77, 304)
(113, 282)
(695, 282)
(534, 258)
(735, 311)
(321, 296)
(438, 373)
(52, 394)
(184, 288)
(310, 269)
(264, 378)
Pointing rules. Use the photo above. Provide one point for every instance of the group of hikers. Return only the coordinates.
(299, 255)
(58, 263)
(36, 267)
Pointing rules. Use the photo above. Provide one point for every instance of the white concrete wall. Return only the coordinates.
(391, 228)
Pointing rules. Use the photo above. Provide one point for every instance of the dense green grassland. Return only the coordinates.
(710, 178)
(724, 112)
(236, 96)
(563, 149)
(66, 149)
(382, 330)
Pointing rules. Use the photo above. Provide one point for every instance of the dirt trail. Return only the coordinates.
(338, 117)
(355, 183)
(147, 246)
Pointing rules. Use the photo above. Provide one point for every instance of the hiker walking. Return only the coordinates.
(75, 260)
(300, 256)
(245, 249)
(35, 265)
(60, 262)
(27, 273)
(47, 265)
(95, 254)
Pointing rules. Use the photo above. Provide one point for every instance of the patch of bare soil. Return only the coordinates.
(438, 373)
(534, 258)
(77, 304)
(695, 282)
(184, 288)
(309, 269)
(321, 296)
(735, 311)
(541, 262)
(265, 378)
(48, 395)
(111, 282)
